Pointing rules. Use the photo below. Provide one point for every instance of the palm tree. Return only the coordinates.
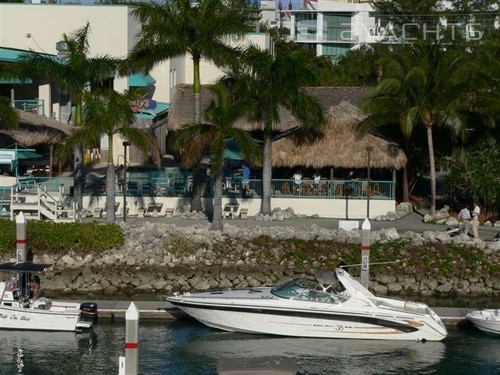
(269, 83)
(198, 140)
(201, 29)
(108, 113)
(429, 87)
(74, 72)
(9, 118)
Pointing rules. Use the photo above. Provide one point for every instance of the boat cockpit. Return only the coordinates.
(311, 290)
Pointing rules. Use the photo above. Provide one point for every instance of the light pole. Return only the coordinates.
(369, 149)
(125, 144)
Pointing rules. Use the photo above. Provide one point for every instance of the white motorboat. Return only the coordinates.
(487, 320)
(19, 312)
(335, 305)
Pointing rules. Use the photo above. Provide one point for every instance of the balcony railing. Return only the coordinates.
(33, 106)
(234, 187)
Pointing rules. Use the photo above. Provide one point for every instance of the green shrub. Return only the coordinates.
(61, 238)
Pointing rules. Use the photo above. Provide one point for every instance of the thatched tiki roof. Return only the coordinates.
(339, 147)
(181, 108)
(36, 129)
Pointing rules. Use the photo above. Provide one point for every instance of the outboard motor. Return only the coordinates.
(89, 312)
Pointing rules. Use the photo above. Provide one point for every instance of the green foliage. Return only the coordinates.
(474, 175)
(395, 257)
(321, 66)
(359, 67)
(45, 237)
(183, 245)
(9, 118)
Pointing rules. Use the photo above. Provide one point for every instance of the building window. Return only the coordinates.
(334, 51)
(337, 27)
(306, 27)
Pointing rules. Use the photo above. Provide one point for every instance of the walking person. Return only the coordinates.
(475, 220)
(464, 216)
(245, 171)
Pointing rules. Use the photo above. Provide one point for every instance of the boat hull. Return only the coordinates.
(335, 305)
(487, 321)
(41, 320)
(310, 322)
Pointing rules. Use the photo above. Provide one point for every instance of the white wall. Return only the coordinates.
(45, 24)
(209, 73)
(324, 208)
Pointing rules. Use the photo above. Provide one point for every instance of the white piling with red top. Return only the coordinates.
(131, 340)
(20, 238)
(365, 253)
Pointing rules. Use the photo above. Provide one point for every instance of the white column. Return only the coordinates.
(20, 238)
(45, 94)
(131, 340)
(365, 253)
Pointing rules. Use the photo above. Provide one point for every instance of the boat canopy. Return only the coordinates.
(25, 267)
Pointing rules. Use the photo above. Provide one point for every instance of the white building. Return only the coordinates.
(113, 32)
(333, 27)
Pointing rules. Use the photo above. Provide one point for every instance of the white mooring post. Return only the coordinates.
(131, 339)
(20, 238)
(365, 253)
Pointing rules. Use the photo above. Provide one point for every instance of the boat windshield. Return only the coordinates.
(307, 290)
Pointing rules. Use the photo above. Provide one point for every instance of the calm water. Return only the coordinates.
(184, 347)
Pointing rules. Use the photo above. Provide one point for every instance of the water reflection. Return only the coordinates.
(25, 352)
(319, 356)
(189, 348)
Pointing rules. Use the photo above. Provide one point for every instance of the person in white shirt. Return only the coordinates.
(475, 220)
(464, 216)
(297, 177)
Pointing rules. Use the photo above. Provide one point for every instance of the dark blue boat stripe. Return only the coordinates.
(308, 314)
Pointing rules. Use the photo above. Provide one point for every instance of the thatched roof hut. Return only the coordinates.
(339, 147)
(35, 129)
(181, 108)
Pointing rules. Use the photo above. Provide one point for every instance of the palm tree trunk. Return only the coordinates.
(196, 90)
(78, 160)
(78, 177)
(110, 193)
(197, 178)
(432, 167)
(198, 187)
(404, 185)
(266, 175)
(110, 184)
(217, 215)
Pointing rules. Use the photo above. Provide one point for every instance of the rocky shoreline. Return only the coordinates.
(161, 258)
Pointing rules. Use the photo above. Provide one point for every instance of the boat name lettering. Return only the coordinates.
(3, 316)
(267, 297)
(337, 327)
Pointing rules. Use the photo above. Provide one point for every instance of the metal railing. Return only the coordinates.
(175, 186)
(31, 105)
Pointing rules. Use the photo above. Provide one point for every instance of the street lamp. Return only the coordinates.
(125, 144)
(369, 149)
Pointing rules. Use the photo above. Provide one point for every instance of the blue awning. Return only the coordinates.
(152, 113)
(140, 80)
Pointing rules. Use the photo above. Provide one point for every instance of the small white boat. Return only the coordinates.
(19, 312)
(334, 306)
(487, 320)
